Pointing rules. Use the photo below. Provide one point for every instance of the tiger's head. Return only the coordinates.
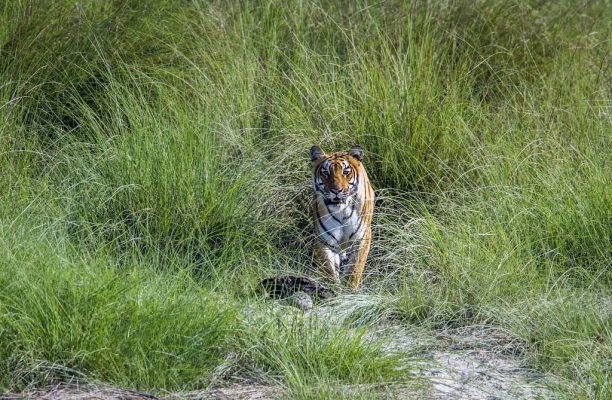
(336, 175)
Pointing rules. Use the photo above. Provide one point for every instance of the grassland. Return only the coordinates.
(154, 167)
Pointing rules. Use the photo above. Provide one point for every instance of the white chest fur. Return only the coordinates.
(339, 223)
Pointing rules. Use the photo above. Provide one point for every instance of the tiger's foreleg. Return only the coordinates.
(328, 262)
(358, 258)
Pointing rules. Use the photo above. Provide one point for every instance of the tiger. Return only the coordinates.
(342, 215)
(343, 208)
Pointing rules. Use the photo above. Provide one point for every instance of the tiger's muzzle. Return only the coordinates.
(336, 197)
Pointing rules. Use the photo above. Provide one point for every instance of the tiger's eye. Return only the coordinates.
(346, 172)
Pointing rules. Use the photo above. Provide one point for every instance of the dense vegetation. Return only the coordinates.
(154, 166)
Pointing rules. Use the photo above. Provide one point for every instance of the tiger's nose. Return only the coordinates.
(335, 191)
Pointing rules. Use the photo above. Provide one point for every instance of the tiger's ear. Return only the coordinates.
(356, 152)
(315, 152)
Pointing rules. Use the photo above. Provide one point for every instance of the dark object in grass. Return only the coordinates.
(285, 286)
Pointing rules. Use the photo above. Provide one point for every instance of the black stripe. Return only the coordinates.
(332, 215)
(336, 249)
(356, 230)
(352, 210)
(318, 170)
(325, 230)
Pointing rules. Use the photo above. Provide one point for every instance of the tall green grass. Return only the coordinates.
(153, 164)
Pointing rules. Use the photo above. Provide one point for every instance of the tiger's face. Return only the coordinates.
(336, 175)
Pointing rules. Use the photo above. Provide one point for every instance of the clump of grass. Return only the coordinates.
(89, 319)
(317, 354)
